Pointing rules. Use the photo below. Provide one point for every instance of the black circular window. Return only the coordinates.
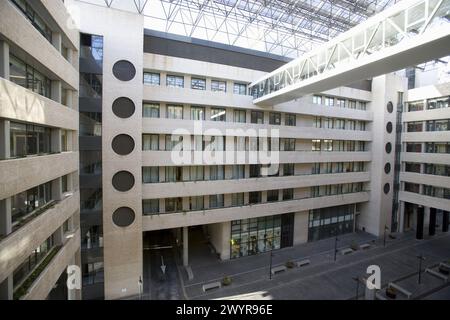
(387, 168)
(124, 70)
(123, 107)
(387, 188)
(123, 217)
(123, 144)
(388, 147)
(123, 181)
(389, 127)
(390, 107)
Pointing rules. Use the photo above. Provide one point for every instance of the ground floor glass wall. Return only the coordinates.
(253, 236)
(329, 222)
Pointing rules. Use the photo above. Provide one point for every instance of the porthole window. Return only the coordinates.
(123, 107)
(390, 107)
(123, 181)
(123, 217)
(389, 127)
(123, 144)
(387, 168)
(388, 147)
(124, 70)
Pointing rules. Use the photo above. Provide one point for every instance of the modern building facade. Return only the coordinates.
(39, 190)
(134, 131)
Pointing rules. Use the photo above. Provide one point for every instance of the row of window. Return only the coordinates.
(430, 125)
(432, 191)
(329, 222)
(430, 147)
(151, 142)
(197, 83)
(152, 110)
(34, 18)
(430, 168)
(336, 123)
(430, 104)
(197, 173)
(173, 205)
(339, 102)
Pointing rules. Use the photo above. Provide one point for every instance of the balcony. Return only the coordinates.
(16, 247)
(437, 158)
(427, 179)
(41, 281)
(25, 173)
(209, 216)
(427, 201)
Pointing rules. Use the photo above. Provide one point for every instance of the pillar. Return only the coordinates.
(56, 141)
(57, 189)
(5, 217)
(185, 246)
(5, 148)
(57, 41)
(6, 288)
(419, 225)
(401, 213)
(56, 93)
(445, 221)
(4, 60)
(432, 224)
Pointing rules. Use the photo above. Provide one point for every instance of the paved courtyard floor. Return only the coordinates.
(324, 278)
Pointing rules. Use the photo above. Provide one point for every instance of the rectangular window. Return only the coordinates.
(288, 169)
(197, 113)
(340, 103)
(150, 142)
(240, 88)
(218, 114)
(197, 173)
(415, 126)
(28, 140)
(288, 144)
(216, 173)
(327, 145)
(237, 199)
(152, 78)
(254, 197)
(257, 117)
(150, 207)
(174, 112)
(175, 81)
(438, 103)
(239, 143)
(415, 106)
(288, 194)
(150, 174)
(28, 77)
(290, 119)
(272, 195)
(216, 201)
(174, 174)
(315, 145)
(329, 101)
(150, 110)
(275, 118)
(255, 170)
(198, 84)
(239, 116)
(174, 205)
(65, 184)
(196, 203)
(218, 86)
(239, 172)
(317, 99)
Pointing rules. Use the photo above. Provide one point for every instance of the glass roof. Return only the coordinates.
(284, 27)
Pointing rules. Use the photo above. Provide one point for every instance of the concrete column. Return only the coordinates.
(419, 225)
(56, 140)
(57, 41)
(6, 289)
(185, 246)
(432, 224)
(4, 60)
(70, 55)
(5, 139)
(5, 217)
(401, 213)
(445, 216)
(69, 99)
(57, 189)
(56, 93)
